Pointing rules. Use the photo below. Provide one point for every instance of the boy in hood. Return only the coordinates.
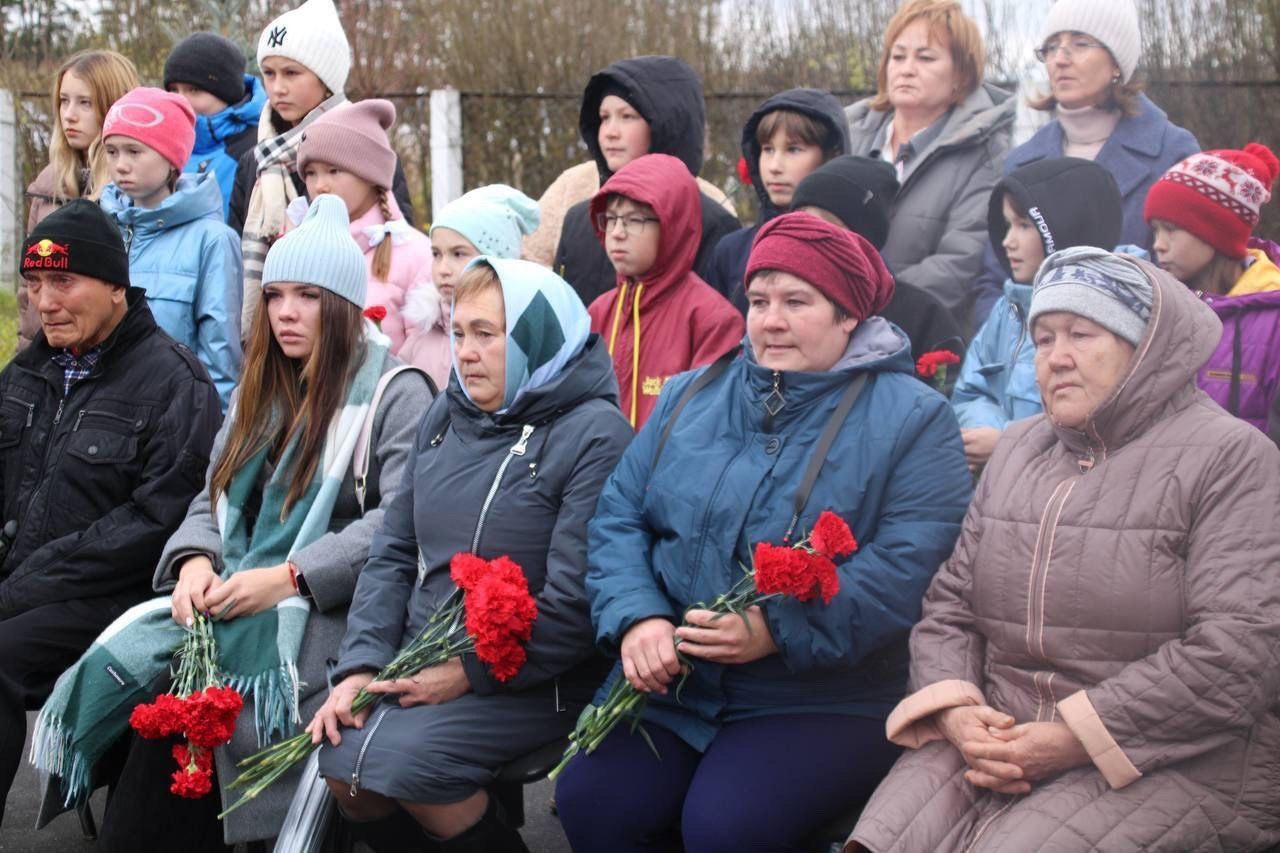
(661, 318)
(644, 105)
(786, 138)
(857, 193)
(1041, 208)
(208, 70)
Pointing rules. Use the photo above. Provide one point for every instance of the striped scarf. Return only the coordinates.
(91, 703)
(273, 189)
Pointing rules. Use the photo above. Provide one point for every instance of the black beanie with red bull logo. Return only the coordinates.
(78, 238)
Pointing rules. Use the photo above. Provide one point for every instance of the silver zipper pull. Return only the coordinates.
(355, 784)
(31, 413)
(79, 418)
(522, 445)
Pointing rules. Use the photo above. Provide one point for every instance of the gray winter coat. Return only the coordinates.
(938, 228)
(330, 565)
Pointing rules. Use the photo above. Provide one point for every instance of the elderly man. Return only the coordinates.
(105, 429)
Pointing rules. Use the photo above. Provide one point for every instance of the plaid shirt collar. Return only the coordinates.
(76, 368)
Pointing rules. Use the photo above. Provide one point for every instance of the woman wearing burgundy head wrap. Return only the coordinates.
(780, 723)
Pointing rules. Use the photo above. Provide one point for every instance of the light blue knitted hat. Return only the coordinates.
(321, 252)
(494, 218)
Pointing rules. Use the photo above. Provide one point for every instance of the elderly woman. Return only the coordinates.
(1091, 49)
(509, 461)
(1098, 662)
(795, 691)
(946, 133)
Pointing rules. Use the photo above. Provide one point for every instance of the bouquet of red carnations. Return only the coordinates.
(805, 570)
(933, 365)
(490, 614)
(199, 708)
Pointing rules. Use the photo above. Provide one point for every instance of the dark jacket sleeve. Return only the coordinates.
(241, 189)
(118, 552)
(716, 223)
(883, 584)
(718, 274)
(400, 189)
(562, 632)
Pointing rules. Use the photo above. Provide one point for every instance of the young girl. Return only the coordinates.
(489, 221)
(304, 58)
(1202, 212)
(180, 251)
(346, 153)
(277, 540)
(84, 88)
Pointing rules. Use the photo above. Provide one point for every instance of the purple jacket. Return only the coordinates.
(1243, 375)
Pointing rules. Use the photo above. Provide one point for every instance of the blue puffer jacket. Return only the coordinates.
(665, 539)
(997, 382)
(188, 261)
(223, 137)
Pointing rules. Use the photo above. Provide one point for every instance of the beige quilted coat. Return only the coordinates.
(1125, 581)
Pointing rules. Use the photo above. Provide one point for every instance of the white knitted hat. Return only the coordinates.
(1112, 22)
(311, 35)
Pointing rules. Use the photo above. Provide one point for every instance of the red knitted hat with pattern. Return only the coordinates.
(1216, 195)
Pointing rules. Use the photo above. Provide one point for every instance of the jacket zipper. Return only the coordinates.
(127, 232)
(517, 449)
(1040, 566)
(83, 413)
(364, 747)
(1022, 334)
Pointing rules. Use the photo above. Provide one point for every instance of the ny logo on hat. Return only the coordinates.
(276, 37)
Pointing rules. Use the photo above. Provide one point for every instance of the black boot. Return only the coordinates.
(490, 834)
(398, 833)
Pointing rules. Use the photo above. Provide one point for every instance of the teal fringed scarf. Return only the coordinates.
(91, 703)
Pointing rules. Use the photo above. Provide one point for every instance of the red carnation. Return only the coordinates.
(744, 171)
(929, 363)
(162, 718)
(782, 571)
(194, 776)
(823, 573)
(500, 614)
(466, 569)
(831, 537)
(211, 716)
(376, 313)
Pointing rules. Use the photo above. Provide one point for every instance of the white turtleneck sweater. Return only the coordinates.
(1086, 129)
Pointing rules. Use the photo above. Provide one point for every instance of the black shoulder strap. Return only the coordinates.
(819, 455)
(713, 372)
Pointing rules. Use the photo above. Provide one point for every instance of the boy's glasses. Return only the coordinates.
(1070, 48)
(632, 224)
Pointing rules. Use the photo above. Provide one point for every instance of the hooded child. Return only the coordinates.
(1041, 208)
(346, 153)
(857, 193)
(208, 70)
(491, 221)
(786, 138)
(180, 250)
(1202, 213)
(661, 318)
(644, 105)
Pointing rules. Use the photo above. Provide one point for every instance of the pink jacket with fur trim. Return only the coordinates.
(410, 266)
(1124, 580)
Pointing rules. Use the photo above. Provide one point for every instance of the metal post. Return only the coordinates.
(446, 148)
(11, 207)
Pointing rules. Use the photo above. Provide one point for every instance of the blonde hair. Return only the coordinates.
(109, 76)
(951, 29)
(381, 267)
(475, 281)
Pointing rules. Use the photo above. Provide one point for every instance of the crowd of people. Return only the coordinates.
(250, 390)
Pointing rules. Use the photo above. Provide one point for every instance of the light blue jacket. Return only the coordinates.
(188, 261)
(997, 381)
(667, 536)
(222, 137)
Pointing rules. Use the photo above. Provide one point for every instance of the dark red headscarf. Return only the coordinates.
(841, 264)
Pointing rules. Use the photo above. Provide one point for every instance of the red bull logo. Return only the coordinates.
(46, 255)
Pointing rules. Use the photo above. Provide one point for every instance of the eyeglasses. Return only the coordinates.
(631, 225)
(1049, 49)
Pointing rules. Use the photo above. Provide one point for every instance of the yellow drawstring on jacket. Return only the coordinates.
(635, 343)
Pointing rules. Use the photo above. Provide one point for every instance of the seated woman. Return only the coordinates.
(509, 461)
(780, 723)
(1098, 662)
(281, 533)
